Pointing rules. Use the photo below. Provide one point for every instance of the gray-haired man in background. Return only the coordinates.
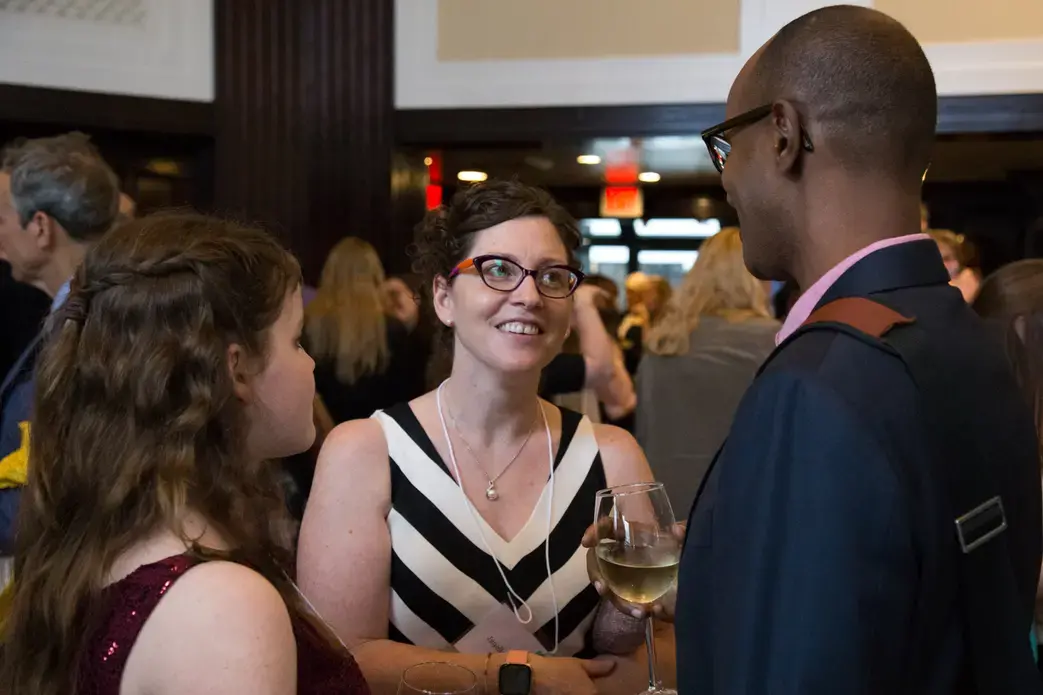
(57, 197)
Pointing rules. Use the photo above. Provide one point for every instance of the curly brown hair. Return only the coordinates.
(136, 422)
(447, 233)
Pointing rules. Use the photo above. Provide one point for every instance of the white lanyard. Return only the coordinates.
(474, 516)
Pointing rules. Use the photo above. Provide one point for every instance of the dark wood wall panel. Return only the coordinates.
(1007, 113)
(305, 121)
(116, 112)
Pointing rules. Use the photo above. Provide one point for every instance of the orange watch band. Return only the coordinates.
(517, 657)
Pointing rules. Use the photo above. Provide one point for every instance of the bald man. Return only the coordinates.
(823, 555)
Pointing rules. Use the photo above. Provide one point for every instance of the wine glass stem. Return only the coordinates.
(653, 677)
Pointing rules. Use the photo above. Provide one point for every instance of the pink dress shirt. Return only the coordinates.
(807, 302)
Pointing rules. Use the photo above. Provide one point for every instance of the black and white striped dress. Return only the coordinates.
(443, 581)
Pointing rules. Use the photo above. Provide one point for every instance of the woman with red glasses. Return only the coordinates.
(449, 528)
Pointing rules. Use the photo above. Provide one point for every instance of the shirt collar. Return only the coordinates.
(810, 299)
(60, 296)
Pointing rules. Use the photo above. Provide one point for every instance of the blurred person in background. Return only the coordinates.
(153, 553)
(635, 292)
(607, 284)
(607, 303)
(1011, 299)
(429, 521)
(128, 209)
(699, 360)
(358, 328)
(57, 197)
(639, 291)
(647, 295)
(589, 375)
(403, 303)
(969, 281)
(957, 254)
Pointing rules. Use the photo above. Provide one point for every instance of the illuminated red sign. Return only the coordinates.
(622, 201)
(434, 196)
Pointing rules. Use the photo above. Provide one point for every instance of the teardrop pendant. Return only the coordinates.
(490, 493)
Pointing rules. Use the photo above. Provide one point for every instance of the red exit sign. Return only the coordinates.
(622, 201)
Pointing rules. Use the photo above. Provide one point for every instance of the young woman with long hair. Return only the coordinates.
(438, 523)
(1012, 300)
(153, 549)
(699, 360)
(365, 357)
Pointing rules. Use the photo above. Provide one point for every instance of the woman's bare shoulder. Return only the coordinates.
(353, 439)
(623, 458)
(226, 620)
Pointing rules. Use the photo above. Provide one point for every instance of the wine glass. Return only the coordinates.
(638, 552)
(436, 678)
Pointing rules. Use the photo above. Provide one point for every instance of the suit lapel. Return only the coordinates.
(18, 367)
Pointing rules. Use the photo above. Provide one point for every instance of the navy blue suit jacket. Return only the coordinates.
(16, 406)
(820, 558)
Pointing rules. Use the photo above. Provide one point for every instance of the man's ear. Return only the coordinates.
(442, 299)
(237, 367)
(43, 230)
(786, 135)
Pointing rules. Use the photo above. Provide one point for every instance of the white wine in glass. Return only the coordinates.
(638, 574)
(638, 552)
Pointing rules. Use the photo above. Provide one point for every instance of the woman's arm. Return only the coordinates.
(344, 562)
(344, 550)
(606, 372)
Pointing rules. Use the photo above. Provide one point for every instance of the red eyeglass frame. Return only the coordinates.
(477, 262)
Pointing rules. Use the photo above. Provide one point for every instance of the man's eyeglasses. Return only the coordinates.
(718, 144)
(504, 275)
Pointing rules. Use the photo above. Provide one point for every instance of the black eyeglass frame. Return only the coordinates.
(716, 133)
(479, 261)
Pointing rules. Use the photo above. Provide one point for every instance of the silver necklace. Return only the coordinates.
(490, 491)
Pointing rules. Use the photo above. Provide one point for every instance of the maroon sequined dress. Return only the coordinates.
(320, 670)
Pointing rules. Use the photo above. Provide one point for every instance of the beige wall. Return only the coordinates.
(960, 21)
(471, 30)
(499, 53)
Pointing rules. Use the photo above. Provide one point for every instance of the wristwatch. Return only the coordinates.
(516, 674)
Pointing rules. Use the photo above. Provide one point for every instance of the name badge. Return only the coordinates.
(499, 631)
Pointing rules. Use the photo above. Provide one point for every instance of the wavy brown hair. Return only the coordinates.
(136, 423)
(346, 321)
(717, 285)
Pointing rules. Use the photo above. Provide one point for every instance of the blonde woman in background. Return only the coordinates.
(365, 358)
(699, 359)
(953, 248)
